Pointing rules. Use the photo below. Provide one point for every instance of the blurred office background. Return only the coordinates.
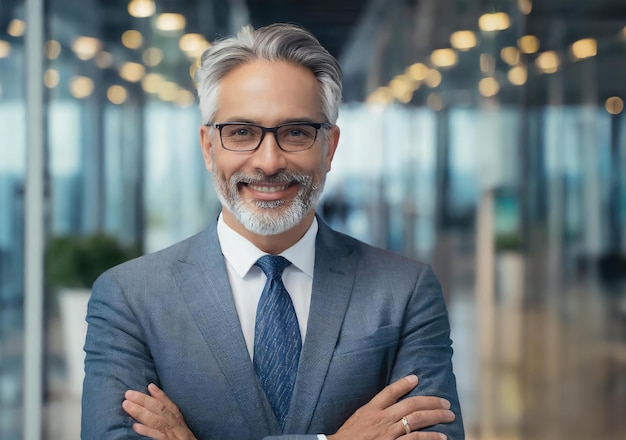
(486, 137)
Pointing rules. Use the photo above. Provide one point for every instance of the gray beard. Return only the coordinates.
(267, 219)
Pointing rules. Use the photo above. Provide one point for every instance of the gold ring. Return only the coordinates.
(406, 425)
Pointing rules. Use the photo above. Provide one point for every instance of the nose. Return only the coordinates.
(269, 158)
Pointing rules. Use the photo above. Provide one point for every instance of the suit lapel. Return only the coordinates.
(202, 278)
(333, 280)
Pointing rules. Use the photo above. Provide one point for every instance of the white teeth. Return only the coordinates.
(268, 189)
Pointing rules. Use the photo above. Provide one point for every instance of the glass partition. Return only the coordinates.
(12, 179)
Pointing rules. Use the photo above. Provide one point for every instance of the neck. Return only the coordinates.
(271, 244)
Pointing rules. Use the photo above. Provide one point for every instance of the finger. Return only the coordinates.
(416, 403)
(160, 396)
(391, 393)
(162, 414)
(425, 436)
(146, 431)
(143, 415)
(423, 419)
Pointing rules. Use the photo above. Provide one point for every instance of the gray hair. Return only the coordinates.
(276, 42)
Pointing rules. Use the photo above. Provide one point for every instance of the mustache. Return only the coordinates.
(280, 178)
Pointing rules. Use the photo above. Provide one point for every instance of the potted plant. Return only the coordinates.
(73, 262)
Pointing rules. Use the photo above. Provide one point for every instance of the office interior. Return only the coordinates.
(485, 137)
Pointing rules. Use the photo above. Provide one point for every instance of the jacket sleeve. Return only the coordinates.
(116, 360)
(426, 349)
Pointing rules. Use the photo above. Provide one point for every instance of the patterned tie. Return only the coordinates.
(277, 341)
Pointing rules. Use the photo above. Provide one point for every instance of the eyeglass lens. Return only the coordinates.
(248, 137)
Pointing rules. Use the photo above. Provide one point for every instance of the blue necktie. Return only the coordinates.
(277, 341)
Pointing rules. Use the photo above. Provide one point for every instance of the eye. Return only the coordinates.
(239, 131)
(294, 132)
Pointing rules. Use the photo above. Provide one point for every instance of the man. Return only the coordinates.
(268, 324)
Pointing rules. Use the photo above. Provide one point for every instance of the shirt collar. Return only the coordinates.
(242, 254)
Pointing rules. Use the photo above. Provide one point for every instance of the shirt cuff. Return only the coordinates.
(321, 437)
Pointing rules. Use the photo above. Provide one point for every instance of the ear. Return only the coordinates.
(333, 141)
(206, 145)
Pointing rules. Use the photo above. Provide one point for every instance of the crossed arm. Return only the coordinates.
(118, 359)
(380, 419)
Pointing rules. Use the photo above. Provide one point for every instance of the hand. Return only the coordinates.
(157, 416)
(381, 417)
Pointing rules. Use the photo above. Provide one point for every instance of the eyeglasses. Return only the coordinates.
(293, 136)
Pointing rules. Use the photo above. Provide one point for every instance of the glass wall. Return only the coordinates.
(12, 178)
(486, 138)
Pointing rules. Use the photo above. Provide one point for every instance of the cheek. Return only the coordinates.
(223, 166)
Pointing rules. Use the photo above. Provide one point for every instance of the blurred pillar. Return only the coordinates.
(92, 144)
(486, 309)
(34, 224)
(615, 196)
(443, 260)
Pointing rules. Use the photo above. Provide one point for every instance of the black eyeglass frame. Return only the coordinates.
(274, 130)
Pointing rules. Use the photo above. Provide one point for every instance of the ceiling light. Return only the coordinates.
(548, 62)
(497, 21)
(518, 75)
(171, 22)
(152, 82)
(16, 28)
(5, 49)
(614, 105)
(443, 57)
(152, 56)
(193, 45)
(585, 48)
(132, 72)
(86, 48)
(51, 78)
(168, 91)
(433, 79)
(141, 8)
(528, 44)
(380, 96)
(463, 40)
(510, 55)
(525, 6)
(488, 87)
(104, 59)
(184, 98)
(117, 94)
(417, 71)
(81, 87)
(402, 88)
(132, 39)
(52, 49)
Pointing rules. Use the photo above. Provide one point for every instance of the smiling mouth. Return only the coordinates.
(269, 188)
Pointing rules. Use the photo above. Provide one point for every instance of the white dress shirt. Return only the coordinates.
(247, 280)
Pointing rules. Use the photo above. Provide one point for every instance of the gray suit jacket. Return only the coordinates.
(170, 318)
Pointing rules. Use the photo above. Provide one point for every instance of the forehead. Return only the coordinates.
(268, 92)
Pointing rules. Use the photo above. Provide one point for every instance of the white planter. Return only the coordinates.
(73, 307)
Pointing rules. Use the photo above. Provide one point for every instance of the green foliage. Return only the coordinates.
(76, 261)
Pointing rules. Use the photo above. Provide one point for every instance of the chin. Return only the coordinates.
(270, 220)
